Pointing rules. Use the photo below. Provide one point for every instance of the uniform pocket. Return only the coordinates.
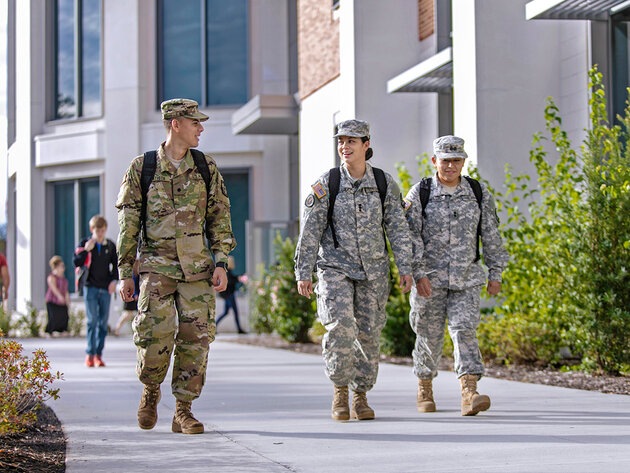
(325, 308)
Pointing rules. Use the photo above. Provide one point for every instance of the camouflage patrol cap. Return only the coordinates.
(356, 128)
(449, 146)
(175, 108)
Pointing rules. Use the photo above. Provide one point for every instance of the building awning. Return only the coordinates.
(432, 75)
(267, 115)
(573, 9)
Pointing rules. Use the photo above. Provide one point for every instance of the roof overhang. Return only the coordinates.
(432, 75)
(573, 9)
(267, 115)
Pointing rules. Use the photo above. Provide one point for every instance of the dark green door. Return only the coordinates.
(237, 184)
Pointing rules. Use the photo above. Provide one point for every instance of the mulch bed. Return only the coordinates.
(523, 373)
(40, 448)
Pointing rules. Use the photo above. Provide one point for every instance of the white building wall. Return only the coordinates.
(403, 125)
(504, 69)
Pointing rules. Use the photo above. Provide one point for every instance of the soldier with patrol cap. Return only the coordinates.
(348, 248)
(445, 230)
(176, 301)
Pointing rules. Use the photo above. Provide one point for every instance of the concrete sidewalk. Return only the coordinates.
(269, 411)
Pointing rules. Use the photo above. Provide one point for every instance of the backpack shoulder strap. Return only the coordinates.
(476, 187)
(202, 166)
(334, 178)
(425, 193)
(146, 177)
(381, 184)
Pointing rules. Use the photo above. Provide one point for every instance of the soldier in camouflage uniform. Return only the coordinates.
(352, 286)
(176, 302)
(448, 277)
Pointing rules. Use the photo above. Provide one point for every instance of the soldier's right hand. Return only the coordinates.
(305, 288)
(127, 288)
(423, 286)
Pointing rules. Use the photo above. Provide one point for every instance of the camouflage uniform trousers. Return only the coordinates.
(427, 318)
(173, 313)
(353, 313)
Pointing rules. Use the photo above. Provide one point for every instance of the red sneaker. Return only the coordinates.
(89, 361)
(98, 361)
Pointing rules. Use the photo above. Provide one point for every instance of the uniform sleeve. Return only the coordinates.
(397, 228)
(314, 221)
(416, 222)
(218, 220)
(495, 256)
(128, 204)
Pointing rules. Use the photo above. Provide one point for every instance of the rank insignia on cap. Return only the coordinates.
(406, 204)
(319, 190)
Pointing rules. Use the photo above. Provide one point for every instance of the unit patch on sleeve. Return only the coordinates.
(310, 200)
(319, 190)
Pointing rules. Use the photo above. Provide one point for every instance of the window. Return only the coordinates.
(75, 202)
(620, 45)
(77, 58)
(203, 51)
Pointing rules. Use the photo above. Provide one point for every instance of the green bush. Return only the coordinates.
(276, 303)
(5, 320)
(567, 281)
(24, 384)
(30, 324)
(76, 321)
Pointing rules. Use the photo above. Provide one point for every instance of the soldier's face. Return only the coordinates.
(188, 130)
(351, 149)
(448, 170)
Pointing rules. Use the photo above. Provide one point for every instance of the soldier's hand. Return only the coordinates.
(406, 281)
(127, 288)
(219, 279)
(305, 288)
(423, 286)
(494, 287)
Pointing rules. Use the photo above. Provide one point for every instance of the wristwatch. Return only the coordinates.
(221, 264)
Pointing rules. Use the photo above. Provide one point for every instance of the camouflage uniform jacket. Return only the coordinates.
(357, 218)
(445, 244)
(176, 209)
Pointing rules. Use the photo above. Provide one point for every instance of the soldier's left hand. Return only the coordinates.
(406, 281)
(494, 287)
(219, 279)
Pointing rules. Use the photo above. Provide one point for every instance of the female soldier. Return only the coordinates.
(342, 234)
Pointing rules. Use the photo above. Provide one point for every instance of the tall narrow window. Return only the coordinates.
(203, 51)
(78, 61)
(75, 202)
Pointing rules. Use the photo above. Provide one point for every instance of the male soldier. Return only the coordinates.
(448, 275)
(175, 263)
(348, 248)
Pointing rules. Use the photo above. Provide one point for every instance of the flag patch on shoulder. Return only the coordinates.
(319, 190)
(406, 204)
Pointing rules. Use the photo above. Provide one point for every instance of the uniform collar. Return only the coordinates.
(367, 181)
(167, 167)
(438, 188)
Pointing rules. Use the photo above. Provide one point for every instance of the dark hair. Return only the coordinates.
(369, 153)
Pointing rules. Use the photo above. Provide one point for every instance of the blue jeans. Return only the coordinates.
(97, 307)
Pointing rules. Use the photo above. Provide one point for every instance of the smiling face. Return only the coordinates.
(448, 170)
(352, 149)
(188, 131)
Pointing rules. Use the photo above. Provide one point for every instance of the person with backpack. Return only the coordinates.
(171, 201)
(346, 216)
(448, 215)
(96, 265)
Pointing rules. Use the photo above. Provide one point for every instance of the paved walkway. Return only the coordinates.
(268, 411)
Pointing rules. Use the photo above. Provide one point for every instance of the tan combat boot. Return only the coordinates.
(340, 409)
(360, 408)
(183, 420)
(472, 401)
(425, 396)
(147, 412)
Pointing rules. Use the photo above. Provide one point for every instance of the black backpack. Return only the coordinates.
(334, 178)
(148, 172)
(425, 193)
